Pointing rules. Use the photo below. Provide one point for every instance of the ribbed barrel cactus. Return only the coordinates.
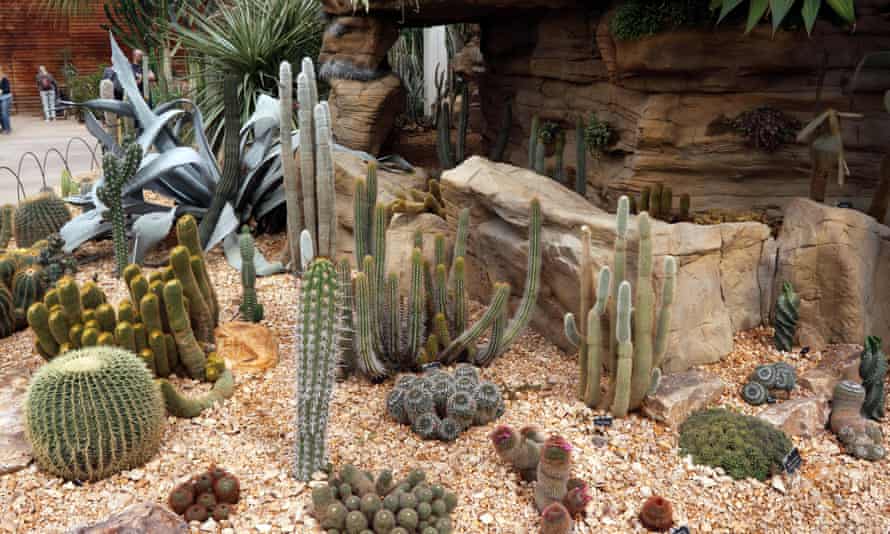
(38, 216)
(251, 310)
(635, 348)
(93, 412)
(6, 215)
(319, 329)
(7, 313)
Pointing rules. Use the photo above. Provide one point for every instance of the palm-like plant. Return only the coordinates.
(251, 38)
(780, 9)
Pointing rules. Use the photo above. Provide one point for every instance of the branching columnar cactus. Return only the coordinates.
(873, 369)
(787, 313)
(251, 310)
(437, 409)
(355, 502)
(319, 330)
(634, 358)
(6, 215)
(290, 173)
(433, 325)
(38, 216)
(861, 437)
(658, 202)
(117, 172)
(92, 413)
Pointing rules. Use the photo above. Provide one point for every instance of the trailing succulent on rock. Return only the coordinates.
(861, 437)
(766, 128)
(765, 379)
(440, 406)
(37, 217)
(634, 368)
(393, 334)
(355, 502)
(787, 314)
(93, 412)
(741, 445)
(873, 370)
(657, 514)
(636, 19)
(558, 496)
(214, 493)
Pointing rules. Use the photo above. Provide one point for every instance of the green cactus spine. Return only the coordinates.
(319, 331)
(873, 369)
(117, 171)
(6, 214)
(251, 310)
(787, 313)
(227, 186)
(618, 271)
(289, 165)
(93, 412)
(38, 216)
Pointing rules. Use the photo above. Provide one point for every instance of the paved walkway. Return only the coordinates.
(32, 134)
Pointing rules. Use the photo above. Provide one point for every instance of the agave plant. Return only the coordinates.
(780, 9)
(185, 175)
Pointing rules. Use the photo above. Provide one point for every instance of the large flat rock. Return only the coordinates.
(798, 417)
(15, 451)
(720, 268)
(681, 394)
(141, 518)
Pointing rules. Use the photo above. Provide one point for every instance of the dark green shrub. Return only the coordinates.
(635, 19)
(742, 445)
(766, 128)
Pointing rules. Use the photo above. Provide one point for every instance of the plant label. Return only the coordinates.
(680, 530)
(430, 366)
(792, 461)
(602, 420)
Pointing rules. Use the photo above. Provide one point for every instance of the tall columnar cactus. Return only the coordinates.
(93, 412)
(251, 310)
(289, 164)
(117, 172)
(38, 216)
(319, 330)
(307, 96)
(452, 154)
(432, 325)
(324, 182)
(533, 141)
(873, 369)
(581, 161)
(787, 313)
(554, 471)
(633, 360)
(6, 214)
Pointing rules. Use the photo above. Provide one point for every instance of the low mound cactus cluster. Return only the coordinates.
(214, 493)
(861, 437)
(767, 378)
(439, 405)
(354, 502)
(743, 446)
(558, 496)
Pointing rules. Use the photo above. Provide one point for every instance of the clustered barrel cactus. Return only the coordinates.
(93, 412)
(251, 309)
(117, 171)
(558, 497)
(634, 360)
(319, 330)
(766, 378)
(440, 406)
(860, 437)
(356, 502)
(213, 493)
(433, 325)
(38, 216)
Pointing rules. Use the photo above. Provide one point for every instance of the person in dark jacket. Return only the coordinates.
(5, 103)
(48, 88)
(109, 74)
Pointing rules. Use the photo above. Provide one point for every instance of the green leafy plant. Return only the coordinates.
(779, 10)
(743, 446)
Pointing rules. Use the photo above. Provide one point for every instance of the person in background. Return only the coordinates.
(48, 88)
(109, 74)
(136, 65)
(5, 103)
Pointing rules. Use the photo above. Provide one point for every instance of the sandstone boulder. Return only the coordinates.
(839, 362)
(247, 347)
(15, 451)
(719, 266)
(355, 47)
(144, 518)
(364, 112)
(838, 261)
(681, 394)
(799, 417)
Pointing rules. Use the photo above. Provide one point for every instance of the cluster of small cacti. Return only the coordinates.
(55, 261)
(766, 378)
(873, 370)
(440, 406)
(23, 281)
(355, 502)
(117, 171)
(391, 335)
(451, 154)
(416, 201)
(861, 437)
(214, 493)
(38, 216)
(551, 134)
(251, 309)
(658, 202)
(632, 360)
(657, 514)
(318, 331)
(558, 497)
(787, 314)
(93, 412)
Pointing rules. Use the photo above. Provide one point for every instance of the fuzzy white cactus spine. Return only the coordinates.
(319, 331)
(307, 150)
(324, 182)
(289, 165)
(624, 363)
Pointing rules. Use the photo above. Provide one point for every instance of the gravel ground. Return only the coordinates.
(252, 436)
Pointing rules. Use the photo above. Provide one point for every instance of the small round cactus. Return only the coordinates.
(227, 489)
(395, 405)
(221, 511)
(196, 512)
(462, 407)
(488, 401)
(352, 503)
(407, 518)
(466, 370)
(384, 521)
(181, 498)
(356, 522)
(418, 401)
(754, 393)
(764, 374)
(465, 383)
(657, 514)
(427, 425)
(207, 500)
(449, 429)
